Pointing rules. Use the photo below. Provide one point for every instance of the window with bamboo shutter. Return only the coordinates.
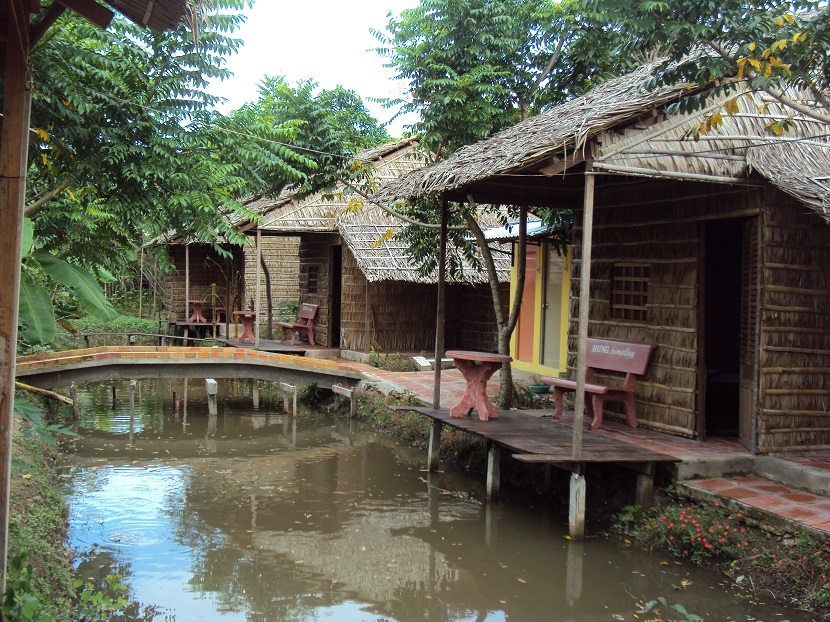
(629, 292)
(313, 277)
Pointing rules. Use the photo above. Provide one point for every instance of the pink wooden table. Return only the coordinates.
(247, 318)
(477, 368)
(196, 317)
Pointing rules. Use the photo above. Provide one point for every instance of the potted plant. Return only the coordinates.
(536, 385)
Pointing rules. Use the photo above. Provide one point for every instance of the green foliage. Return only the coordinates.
(696, 532)
(21, 601)
(287, 310)
(117, 117)
(474, 67)
(676, 612)
(769, 43)
(100, 604)
(35, 425)
(390, 362)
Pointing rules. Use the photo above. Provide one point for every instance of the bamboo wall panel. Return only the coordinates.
(652, 223)
(281, 255)
(794, 328)
(354, 306)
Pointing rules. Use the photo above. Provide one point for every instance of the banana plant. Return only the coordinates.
(36, 313)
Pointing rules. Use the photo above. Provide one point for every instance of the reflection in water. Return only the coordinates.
(253, 515)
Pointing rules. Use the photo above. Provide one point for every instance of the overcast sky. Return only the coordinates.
(327, 40)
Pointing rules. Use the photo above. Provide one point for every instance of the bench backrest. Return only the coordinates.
(307, 311)
(631, 358)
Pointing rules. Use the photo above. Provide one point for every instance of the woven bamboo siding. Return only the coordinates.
(654, 224)
(353, 306)
(206, 268)
(471, 321)
(281, 255)
(315, 273)
(795, 328)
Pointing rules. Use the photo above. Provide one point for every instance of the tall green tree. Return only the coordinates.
(474, 67)
(769, 45)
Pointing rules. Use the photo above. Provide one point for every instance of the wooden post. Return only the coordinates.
(258, 287)
(113, 395)
(584, 306)
(289, 390)
(644, 491)
(434, 456)
(576, 506)
(573, 572)
(132, 395)
(351, 394)
(493, 471)
(186, 284)
(255, 394)
(441, 311)
(73, 394)
(14, 144)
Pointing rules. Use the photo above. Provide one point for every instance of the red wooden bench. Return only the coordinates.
(304, 324)
(607, 355)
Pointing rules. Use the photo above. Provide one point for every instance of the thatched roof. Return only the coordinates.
(290, 213)
(381, 259)
(635, 135)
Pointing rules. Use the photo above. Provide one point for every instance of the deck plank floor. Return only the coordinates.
(535, 439)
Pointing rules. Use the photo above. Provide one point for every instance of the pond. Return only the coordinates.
(253, 515)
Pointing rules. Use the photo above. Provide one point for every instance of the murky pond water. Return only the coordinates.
(252, 515)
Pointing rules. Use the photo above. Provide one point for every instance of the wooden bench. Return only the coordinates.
(607, 355)
(304, 324)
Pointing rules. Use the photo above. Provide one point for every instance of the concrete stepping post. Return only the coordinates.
(576, 507)
(73, 393)
(349, 393)
(255, 394)
(289, 391)
(644, 491)
(212, 389)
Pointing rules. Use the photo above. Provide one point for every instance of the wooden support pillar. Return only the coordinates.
(644, 491)
(441, 311)
(255, 394)
(576, 506)
(14, 144)
(133, 384)
(584, 304)
(257, 305)
(212, 390)
(186, 284)
(113, 396)
(491, 525)
(493, 471)
(141, 280)
(434, 456)
(73, 394)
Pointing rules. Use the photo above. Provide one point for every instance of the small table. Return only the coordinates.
(477, 368)
(247, 318)
(196, 317)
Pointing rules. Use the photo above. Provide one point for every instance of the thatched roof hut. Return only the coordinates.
(705, 242)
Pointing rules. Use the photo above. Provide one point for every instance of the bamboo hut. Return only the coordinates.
(368, 291)
(710, 242)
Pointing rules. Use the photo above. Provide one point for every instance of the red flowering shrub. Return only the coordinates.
(695, 532)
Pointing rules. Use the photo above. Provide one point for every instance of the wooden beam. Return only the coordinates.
(560, 165)
(14, 144)
(91, 10)
(440, 312)
(257, 306)
(45, 20)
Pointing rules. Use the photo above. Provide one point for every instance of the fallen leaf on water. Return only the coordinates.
(520, 580)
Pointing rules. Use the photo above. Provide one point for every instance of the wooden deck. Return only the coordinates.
(534, 439)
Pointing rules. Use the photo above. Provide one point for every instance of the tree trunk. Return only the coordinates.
(269, 296)
(504, 326)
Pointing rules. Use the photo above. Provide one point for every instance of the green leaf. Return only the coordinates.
(35, 313)
(81, 283)
(28, 237)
